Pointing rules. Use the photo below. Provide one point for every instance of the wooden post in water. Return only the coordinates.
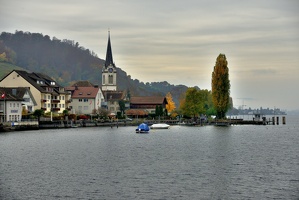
(283, 120)
(273, 120)
(277, 120)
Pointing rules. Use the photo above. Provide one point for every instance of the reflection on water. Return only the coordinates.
(237, 162)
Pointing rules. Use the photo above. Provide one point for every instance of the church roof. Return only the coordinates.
(109, 58)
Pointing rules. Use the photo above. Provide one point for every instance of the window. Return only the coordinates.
(85, 100)
(62, 97)
(80, 108)
(85, 107)
(49, 97)
(62, 105)
(103, 79)
(80, 100)
(110, 79)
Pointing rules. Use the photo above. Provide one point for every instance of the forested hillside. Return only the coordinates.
(66, 62)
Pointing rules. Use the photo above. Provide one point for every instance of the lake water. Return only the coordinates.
(237, 162)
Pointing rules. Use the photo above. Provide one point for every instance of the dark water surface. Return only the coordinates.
(237, 162)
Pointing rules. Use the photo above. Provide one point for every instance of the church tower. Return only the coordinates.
(109, 72)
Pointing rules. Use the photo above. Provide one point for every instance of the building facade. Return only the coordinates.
(85, 98)
(48, 95)
(109, 83)
(12, 103)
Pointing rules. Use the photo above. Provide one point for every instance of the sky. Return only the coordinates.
(178, 41)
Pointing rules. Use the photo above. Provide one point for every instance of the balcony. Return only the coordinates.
(55, 109)
(69, 101)
(55, 101)
(43, 108)
(43, 100)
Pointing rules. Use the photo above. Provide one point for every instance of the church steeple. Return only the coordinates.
(109, 58)
(109, 71)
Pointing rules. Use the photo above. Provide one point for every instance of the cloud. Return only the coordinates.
(176, 41)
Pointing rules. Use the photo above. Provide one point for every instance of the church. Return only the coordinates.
(109, 83)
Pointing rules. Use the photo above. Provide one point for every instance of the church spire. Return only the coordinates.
(109, 58)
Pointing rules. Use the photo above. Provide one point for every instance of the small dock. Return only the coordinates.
(257, 120)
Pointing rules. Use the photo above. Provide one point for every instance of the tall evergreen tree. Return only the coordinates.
(220, 86)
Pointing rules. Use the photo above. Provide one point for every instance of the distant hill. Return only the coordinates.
(5, 68)
(67, 62)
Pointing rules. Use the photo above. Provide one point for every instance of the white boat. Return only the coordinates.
(159, 126)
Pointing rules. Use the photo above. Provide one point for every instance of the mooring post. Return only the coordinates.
(283, 120)
(273, 120)
(277, 120)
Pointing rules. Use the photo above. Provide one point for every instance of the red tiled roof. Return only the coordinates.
(139, 112)
(85, 92)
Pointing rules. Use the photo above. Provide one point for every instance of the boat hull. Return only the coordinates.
(160, 126)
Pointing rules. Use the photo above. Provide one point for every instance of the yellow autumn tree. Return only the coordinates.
(220, 86)
(170, 106)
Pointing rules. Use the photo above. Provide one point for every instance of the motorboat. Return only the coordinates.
(159, 126)
(142, 128)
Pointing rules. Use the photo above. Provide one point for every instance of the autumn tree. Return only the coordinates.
(170, 106)
(220, 86)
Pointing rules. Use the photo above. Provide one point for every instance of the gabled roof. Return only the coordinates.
(83, 84)
(84, 92)
(33, 78)
(148, 100)
(13, 94)
(113, 95)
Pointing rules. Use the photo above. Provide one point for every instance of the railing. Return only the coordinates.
(55, 109)
(55, 101)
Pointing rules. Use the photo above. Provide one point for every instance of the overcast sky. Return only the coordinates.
(178, 41)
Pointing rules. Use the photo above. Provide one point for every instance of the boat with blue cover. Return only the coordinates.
(142, 128)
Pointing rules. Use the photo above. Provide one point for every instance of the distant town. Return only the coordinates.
(261, 110)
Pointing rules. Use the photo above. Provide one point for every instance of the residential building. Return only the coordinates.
(85, 97)
(144, 105)
(12, 102)
(48, 95)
